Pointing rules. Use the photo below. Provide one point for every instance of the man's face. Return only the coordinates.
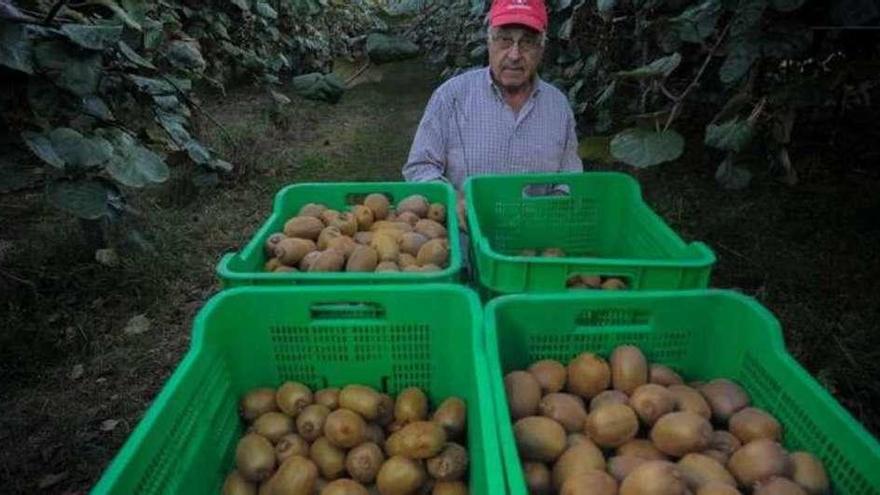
(515, 53)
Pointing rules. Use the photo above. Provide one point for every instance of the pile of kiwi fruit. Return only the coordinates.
(371, 237)
(622, 426)
(349, 441)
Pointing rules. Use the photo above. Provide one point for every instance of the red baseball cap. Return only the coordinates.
(531, 13)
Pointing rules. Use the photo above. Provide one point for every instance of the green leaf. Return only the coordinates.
(242, 4)
(605, 6)
(95, 107)
(90, 199)
(732, 177)
(316, 86)
(16, 50)
(79, 151)
(132, 164)
(747, 17)
(197, 153)
(41, 146)
(733, 135)
(173, 125)
(266, 11)
(221, 165)
(698, 22)
(662, 67)
(787, 5)
(644, 148)
(607, 94)
(185, 55)
(153, 34)
(152, 86)
(92, 37)
(564, 32)
(121, 13)
(740, 57)
(75, 70)
(134, 57)
(382, 48)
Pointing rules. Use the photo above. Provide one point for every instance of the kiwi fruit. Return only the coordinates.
(450, 464)
(327, 235)
(451, 414)
(716, 488)
(613, 284)
(681, 433)
(273, 426)
(808, 472)
(310, 422)
(577, 460)
(437, 213)
(629, 368)
(621, 465)
(378, 204)
(663, 375)
(291, 250)
(591, 482)
(363, 238)
(257, 402)
(362, 259)
(386, 410)
(434, 252)
(406, 260)
(311, 210)
(430, 229)
(328, 397)
(778, 486)
(550, 375)
(553, 253)
(374, 433)
(449, 488)
(639, 447)
(538, 478)
(689, 399)
(308, 259)
(411, 242)
(408, 217)
(290, 445)
(329, 458)
(573, 439)
(719, 456)
(293, 397)
(255, 457)
(566, 409)
(271, 242)
(751, 423)
(400, 476)
(285, 269)
(235, 484)
(296, 476)
(523, 394)
(650, 401)
(654, 478)
(362, 400)
(363, 462)
(387, 226)
(417, 440)
(699, 469)
(344, 487)
(725, 442)
(539, 438)
(411, 405)
(273, 264)
(346, 223)
(759, 460)
(385, 246)
(387, 266)
(330, 260)
(343, 244)
(363, 216)
(304, 227)
(344, 428)
(588, 375)
(329, 215)
(416, 204)
(724, 397)
(612, 425)
(608, 397)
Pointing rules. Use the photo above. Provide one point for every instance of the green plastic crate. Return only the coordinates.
(603, 225)
(245, 267)
(428, 336)
(703, 334)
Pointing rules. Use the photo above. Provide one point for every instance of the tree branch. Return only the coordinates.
(199, 108)
(358, 73)
(54, 11)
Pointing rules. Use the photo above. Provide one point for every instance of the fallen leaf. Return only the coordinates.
(77, 372)
(109, 424)
(52, 479)
(138, 324)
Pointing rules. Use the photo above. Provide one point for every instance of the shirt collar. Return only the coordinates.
(494, 87)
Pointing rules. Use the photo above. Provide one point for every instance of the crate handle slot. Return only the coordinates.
(546, 190)
(611, 317)
(347, 311)
(357, 198)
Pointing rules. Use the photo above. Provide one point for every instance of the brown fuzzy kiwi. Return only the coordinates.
(387, 266)
(450, 488)
(629, 368)
(588, 375)
(608, 397)
(663, 375)
(363, 462)
(273, 425)
(257, 402)
(612, 425)
(434, 252)
(437, 213)
(374, 433)
(654, 478)
(567, 409)
(344, 245)
(759, 460)
(553, 253)
(550, 374)
(290, 445)
(255, 457)
(613, 284)
(291, 250)
(364, 217)
(329, 458)
(408, 217)
(363, 238)
(751, 423)
(235, 484)
(576, 460)
(538, 478)
(416, 204)
(716, 488)
(329, 215)
(650, 401)
(724, 397)
(621, 465)
(807, 470)
(345, 428)
(407, 260)
(451, 464)
(719, 456)
(272, 264)
(310, 422)
(399, 226)
(689, 399)
(573, 439)
(271, 242)
(411, 405)
(778, 486)
(400, 476)
(681, 433)
(411, 242)
(699, 469)
(304, 228)
(328, 234)
(640, 447)
(344, 487)
(592, 482)
(417, 440)
(297, 476)
(386, 247)
(523, 394)
(285, 269)
(328, 397)
(346, 223)
(451, 414)
(293, 397)
(430, 229)
(362, 259)
(386, 410)
(378, 204)
(311, 210)
(308, 260)
(330, 260)
(362, 400)
(539, 438)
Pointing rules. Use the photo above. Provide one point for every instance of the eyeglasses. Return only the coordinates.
(526, 43)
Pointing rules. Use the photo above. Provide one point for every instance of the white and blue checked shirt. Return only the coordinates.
(468, 129)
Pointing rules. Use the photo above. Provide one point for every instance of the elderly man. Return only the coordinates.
(498, 120)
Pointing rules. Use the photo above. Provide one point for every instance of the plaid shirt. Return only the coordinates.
(468, 129)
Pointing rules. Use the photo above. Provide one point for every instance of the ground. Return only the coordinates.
(75, 383)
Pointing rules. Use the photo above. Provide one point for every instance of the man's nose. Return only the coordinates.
(514, 53)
